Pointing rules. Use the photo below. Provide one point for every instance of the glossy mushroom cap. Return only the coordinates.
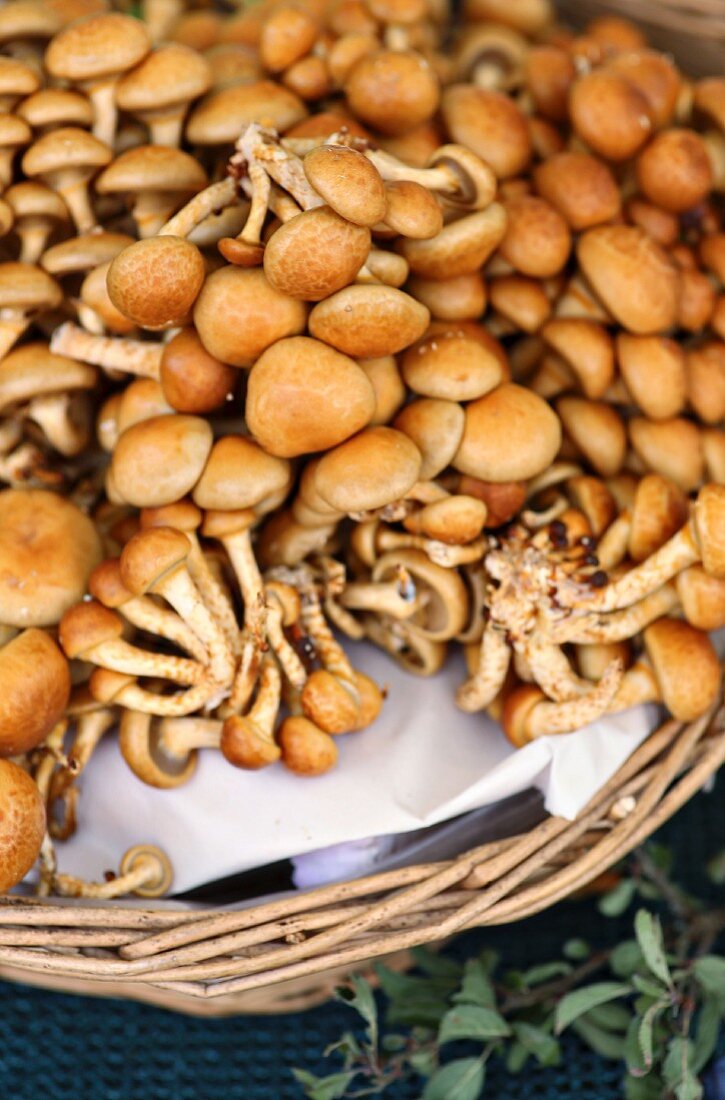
(304, 396)
(239, 313)
(32, 370)
(653, 370)
(22, 826)
(96, 47)
(68, 147)
(194, 381)
(581, 187)
(451, 366)
(156, 282)
(314, 254)
(392, 91)
(221, 117)
(17, 78)
(596, 430)
(348, 182)
(172, 74)
(610, 114)
(35, 690)
(159, 460)
(710, 520)
(686, 666)
(151, 555)
(56, 107)
(669, 447)
(48, 548)
(84, 252)
(306, 749)
(490, 124)
(674, 170)
(537, 239)
(369, 321)
(374, 468)
(239, 474)
(27, 287)
(658, 511)
(152, 168)
(632, 275)
(509, 435)
(702, 597)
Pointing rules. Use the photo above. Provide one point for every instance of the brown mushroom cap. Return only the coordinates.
(27, 19)
(172, 74)
(27, 287)
(34, 200)
(490, 124)
(549, 73)
(632, 275)
(509, 435)
(653, 370)
(587, 348)
(669, 447)
(388, 387)
(610, 114)
(150, 555)
(348, 182)
(152, 168)
(705, 366)
(240, 474)
(686, 666)
(239, 313)
(702, 597)
(581, 187)
(306, 749)
(659, 509)
(221, 117)
(370, 470)
(17, 78)
(462, 298)
(436, 428)
(461, 247)
(412, 210)
(194, 381)
(393, 91)
(83, 252)
(369, 321)
(22, 826)
(537, 239)
(56, 107)
(33, 370)
(68, 147)
(452, 366)
(654, 75)
(674, 171)
(97, 46)
(48, 548)
(303, 396)
(314, 254)
(36, 687)
(159, 460)
(597, 431)
(156, 282)
(710, 520)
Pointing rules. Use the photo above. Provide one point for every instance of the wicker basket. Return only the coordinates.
(286, 955)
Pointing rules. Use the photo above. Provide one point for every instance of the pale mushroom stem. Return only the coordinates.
(180, 736)
(213, 593)
(60, 416)
(152, 210)
(291, 664)
(147, 869)
(179, 590)
(618, 625)
(122, 657)
(135, 357)
(553, 673)
(136, 698)
(48, 864)
(88, 318)
(260, 194)
(638, 685)
(72, 187)
(34, 234)
(6, 167)
(482, 688)
(160, 17)
(13, 324)
(331, 654)
(105, 111)
(89, 732)
(209, 201)
(435, 179)
(241, 554)
(245, 679)
(551, 718)
(144, 614)
(439, 552)
(676, 554)
(384, 596)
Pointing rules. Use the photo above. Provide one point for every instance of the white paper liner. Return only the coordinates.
(422, 762)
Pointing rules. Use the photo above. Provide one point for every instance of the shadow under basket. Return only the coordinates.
(288, 954)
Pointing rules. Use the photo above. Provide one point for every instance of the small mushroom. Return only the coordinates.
(160, 90)
(36, 688)
(80, 254)
(490, 124)
(14, 135)
(141, 743)
(158, 179)
(348, 182)
(25, 292)
(581, 187)
(388, 387)
(597, 431)
(653, 370)
(521, 303)
(247, 741)
(632, 275)
(374, 468)
(461, 247)
(306, 749)
(159, 460)
(587, 349)
(537, 240)
(705, 369)
(194, 381)
(655, 76)
(610, 114)
(49, 108)
(462, 298)
(314, 254)
(22, 826)
(17, 80)
(67, 159)
(509, 435)
(392, 90)
(450, 366)
(145, 871)
(674, 170)
(221, 117)
(368, 321)
(670, 447)
(156, 282)
(37, 212)
(549, 72)
(702, 598)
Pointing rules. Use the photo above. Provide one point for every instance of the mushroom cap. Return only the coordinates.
(674, 171)
(97, 46)
(242, 744)
(537, 241)
(549, 73)
(705, 367)
(596, 430)
(65, 148)
(25, 286)
(388, 387)
(48, 548)
(32, 370)
(660, 508)
(240, 474)
(14, 131)
(370, 470)
(392, 90)
(27, 19)
(221, 117)
(325, 123)
(183, 515)
(369, 321)
(56, 107)
(155, 282)
(462, 298)
(34, 200)
(87, 625)
(348, 182)
(452, 366)
(436, 428)
(106, 586)
(610, 114)
(170, 74)
(306, 749)
(142, 399)
(17, 78)
(22, 826)
(669, 447)
(461, 247)
(159, 460)
(303, 396)
(328, 703)
(502, 499)
(150, 555)
(710, 521)
(83, 252)
(686, 666)
(412, 210)
(653, 370)
(239, 313)
(654, 74)
(709, 98)
(702, 597)
(581, 187)
(632, 275)
(194, 381)
(509, 435)
(152, 168)
(36, 689)
(587, 348)
(94, 293)
(490, 124)
(315, 253)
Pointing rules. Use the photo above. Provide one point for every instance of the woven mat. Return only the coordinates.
(56, 1047)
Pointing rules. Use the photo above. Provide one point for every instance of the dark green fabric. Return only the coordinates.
(57, 1047)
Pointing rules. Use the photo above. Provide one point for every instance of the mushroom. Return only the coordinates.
(490, 124)
(143, 746)
(160, 90)
(156, 282)
(610, 114)
(657, 512)
(461, 247)
(587, 349)
(632, 275)
(221, 117)
(510, 434)
(537, 240)
(67, 159)
(597, 431)
(705, 369)
(674, 170)
(194, 381)
(23, 23)
(247, 741)
(80, 254)
(655, 76)
(388, 387)
(306, 749)
(392, 90)
(22, 826)
(37, 212)
(111, 353)
(17, 80)
(580, 187)
(348, 182)
(25, 292)
(96, 310)
(491, 57)
(461, 298)
(158, 178)
(304, 396)
(549, 72)
(520, 302)
(368, 321)
(653, 370)
(670, 447)
(144, 870)
(660, 224)
(314, 254)
(373, 469)
(49, 108)
(702, 598)
(159, 460)
(450, 366)
(93, 53)
(14, 134)
(36, 688)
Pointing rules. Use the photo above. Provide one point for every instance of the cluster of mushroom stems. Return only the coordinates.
(328, 319)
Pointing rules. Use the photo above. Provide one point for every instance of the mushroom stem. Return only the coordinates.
(213, 593)
(331, 654)
(439, 552)
(398, 599)
(112, 687)
(246, 676)
(493, 663)
(238, 546)
(166, 128)
(144, 614)
(105, 113)
(552, 672)
(247, 741)
(291, 664)
(140, 358)
(179, 590)
(639, 685)
(72, 187)
(180, 736)
(547, 718)
(147, 872)
(34, 233)
(618, 625)
(90, 729)
(262, 146)
(209, 201)
(435, 179)
(152, 209)
(62, 420)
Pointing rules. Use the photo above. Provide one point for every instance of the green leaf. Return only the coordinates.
(612, 1016)
(516, 1057)
(544, 972)
(689, 1088)
(538, 1042)
(472, 1022)
(436, 966)
(706, 1037)
(615, 901)
(649, 987)
(476, 987)
(626, 958)
(459, 1080)
(607, 1043)
(578, 1002)
(359, 995)
(710, 974)
(347, 1045)
(424, 1062)
(644, 1088)
(632, 1050)
(577, 950)
(716, 868)
(489, 960)
(678, 1059)
(649, 891)
(414, 1001)
(645, 1034)
(324, 1088)
(649, 937)
(393, 1043)
(661, 855)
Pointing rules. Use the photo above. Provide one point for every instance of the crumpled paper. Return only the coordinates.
(422, 762)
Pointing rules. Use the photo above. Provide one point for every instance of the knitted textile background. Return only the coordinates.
(57, 1047)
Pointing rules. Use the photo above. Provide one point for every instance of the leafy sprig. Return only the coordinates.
(655, 1001)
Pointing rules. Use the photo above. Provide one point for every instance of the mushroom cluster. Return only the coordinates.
(341, 318)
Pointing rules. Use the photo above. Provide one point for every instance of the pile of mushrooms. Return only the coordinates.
(338, 318)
